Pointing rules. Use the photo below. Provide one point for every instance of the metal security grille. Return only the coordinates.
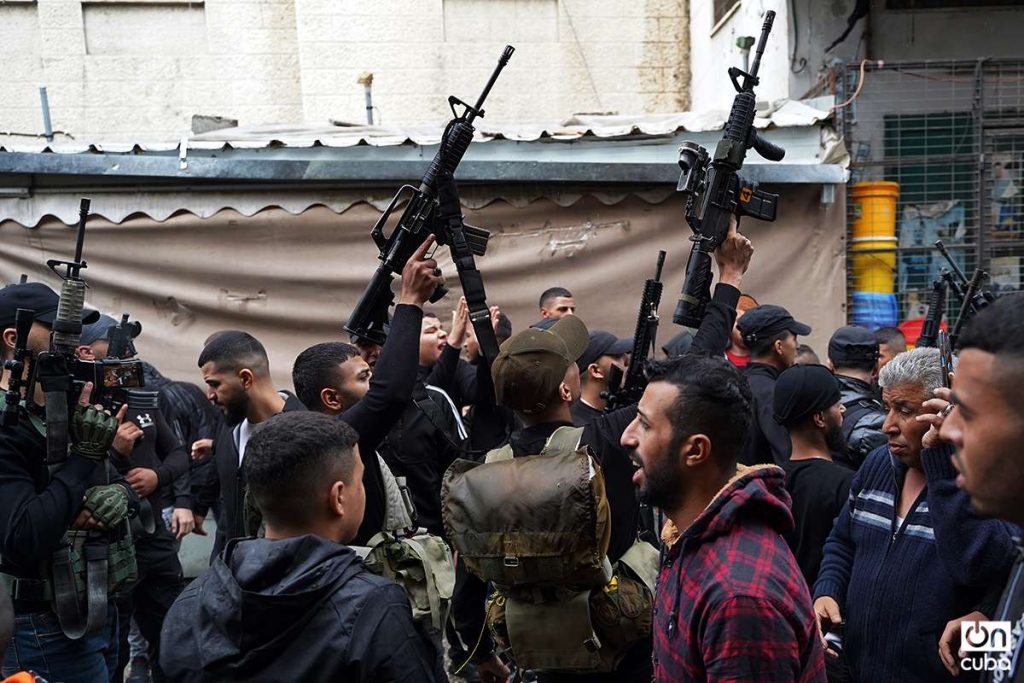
(950, 134)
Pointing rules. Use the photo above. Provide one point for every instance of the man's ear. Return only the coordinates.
(336, 499)
(696, 450)
(10, 337)
(594, 370)
(330, 400)
(819, 420)
(246, 377)
(777, 347)
(85, 352)
(565, 392)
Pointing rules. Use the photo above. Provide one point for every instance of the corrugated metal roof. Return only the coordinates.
(782, 114)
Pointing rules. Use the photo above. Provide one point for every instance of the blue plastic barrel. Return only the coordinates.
(874, 309)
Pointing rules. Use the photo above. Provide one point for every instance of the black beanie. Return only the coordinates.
(803, 390)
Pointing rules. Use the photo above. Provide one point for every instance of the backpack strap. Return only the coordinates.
(564, 440)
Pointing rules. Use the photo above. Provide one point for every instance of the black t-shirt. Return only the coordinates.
(819, 489)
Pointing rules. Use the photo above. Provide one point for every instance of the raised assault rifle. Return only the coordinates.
(972, 297)
(936, 309)
(715, 193)
(422, 216)
(627, 392)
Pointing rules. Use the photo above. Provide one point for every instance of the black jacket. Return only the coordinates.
(301, 609)
(228, 482)
(768, 441)
(374, 415)
(862, 421)
(420, 447)
(37, 507)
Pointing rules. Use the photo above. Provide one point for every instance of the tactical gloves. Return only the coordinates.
(108, 504)
(92, 432)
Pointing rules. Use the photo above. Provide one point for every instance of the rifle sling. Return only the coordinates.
(473, 289)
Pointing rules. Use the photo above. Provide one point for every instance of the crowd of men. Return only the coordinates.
(413, 511)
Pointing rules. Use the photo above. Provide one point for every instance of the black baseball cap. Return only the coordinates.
(852, 344)
(531, 364)
(102, 327)
(678, 345)
(38, 298)
(603, 344)
(803, 390)
(768, 320)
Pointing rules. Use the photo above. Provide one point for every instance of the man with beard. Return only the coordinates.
(236, 371)
(807, 404)
(730, 602)
(906, 555)
(853, 355)
(987, 430)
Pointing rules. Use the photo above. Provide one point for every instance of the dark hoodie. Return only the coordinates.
(301, 609)
(731, 602)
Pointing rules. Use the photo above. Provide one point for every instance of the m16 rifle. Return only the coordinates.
(54, 369)
(113, 376)
(972, 297)
(433, 207)
(936, 309)
(715, 191)
(624, 392)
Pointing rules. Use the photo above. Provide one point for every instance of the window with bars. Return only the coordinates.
(950, 135)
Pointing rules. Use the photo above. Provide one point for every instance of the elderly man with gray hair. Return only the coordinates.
(906, 554)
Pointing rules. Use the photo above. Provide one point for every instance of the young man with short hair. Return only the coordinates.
(297, 604)
(556, 302)
(770, 333)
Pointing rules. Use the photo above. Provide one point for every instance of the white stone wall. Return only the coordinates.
(139, 70)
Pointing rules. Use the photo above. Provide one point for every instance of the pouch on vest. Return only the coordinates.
(420, 563)
(536, 520)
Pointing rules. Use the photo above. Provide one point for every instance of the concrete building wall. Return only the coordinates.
(139, 69)
(713, 50)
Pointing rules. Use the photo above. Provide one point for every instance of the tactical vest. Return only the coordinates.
(538, 527)
(86, 570)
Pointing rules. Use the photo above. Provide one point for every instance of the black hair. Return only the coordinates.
(290, 458)
(233, 350)
(999, 329)
(862, 365)
(763, 347)
(804, 348)
(503, 330)
(431, 314)
(551, 293)
(317, 368)
(714, 399)
(887, 335)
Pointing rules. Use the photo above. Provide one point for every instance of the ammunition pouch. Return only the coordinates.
(420, 563)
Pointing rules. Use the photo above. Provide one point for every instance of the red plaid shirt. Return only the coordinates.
(731, 603)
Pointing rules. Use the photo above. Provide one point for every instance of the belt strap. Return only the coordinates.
(28, 590)
(65, 600)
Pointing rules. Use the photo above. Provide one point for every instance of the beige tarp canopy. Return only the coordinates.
(291, 280)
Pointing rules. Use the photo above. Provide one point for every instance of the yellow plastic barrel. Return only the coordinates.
(873, 243)
(874, 264)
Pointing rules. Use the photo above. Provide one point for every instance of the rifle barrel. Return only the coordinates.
(661, 264)
(769, 19)
(502, 61)
(83, 215)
